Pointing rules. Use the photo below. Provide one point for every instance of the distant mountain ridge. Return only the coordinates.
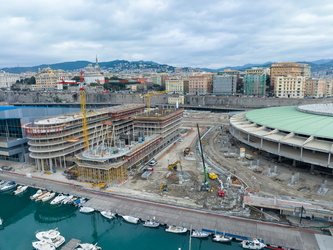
(120, 66)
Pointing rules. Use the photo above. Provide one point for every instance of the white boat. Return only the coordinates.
(48, 197)
(39, 198)
(8, 186)
(20, 190)
(151, 223)
(252, 244)
(175, 229)
(221, 238)
(43, 245)
(88, 246)
(199, 234)
(131, 219)
(1, 221)
(86, 209)
(51, 236)
(108, 214)
(67, 199)
(58, 199)
(38, 193)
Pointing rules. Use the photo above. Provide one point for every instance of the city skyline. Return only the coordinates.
(205, 35)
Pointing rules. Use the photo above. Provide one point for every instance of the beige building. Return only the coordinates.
(315, 87)
(289, 86)
(289, 69)
(176, 99)
(178, 86)
(8, 79)
(47, 79)
(201, 84)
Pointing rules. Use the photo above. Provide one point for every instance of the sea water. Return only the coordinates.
(22, 218)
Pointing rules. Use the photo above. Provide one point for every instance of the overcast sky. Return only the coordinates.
(195, 33)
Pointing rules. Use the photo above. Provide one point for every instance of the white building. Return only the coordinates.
(8, 79)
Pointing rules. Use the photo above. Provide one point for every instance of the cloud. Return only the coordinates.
(196, 33)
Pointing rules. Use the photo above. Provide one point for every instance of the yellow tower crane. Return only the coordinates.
(83, 104)
(149, 95)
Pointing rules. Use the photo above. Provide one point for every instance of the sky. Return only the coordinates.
(180, 33)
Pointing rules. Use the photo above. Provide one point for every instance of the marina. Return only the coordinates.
(165, 214)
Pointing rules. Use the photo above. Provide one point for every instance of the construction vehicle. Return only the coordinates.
(220, 193)
(205, 182)
(212, 176)
(164, 187)
(174, 165)
(186, 151)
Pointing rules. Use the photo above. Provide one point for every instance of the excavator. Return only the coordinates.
(174, 165)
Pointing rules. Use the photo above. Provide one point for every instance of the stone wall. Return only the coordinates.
(119, 98)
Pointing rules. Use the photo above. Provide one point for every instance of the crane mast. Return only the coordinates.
(83, 104)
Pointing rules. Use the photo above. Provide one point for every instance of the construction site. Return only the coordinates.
(187, 158)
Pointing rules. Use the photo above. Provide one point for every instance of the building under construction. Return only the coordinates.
(116, 153)
(54, 141)
(119, 138)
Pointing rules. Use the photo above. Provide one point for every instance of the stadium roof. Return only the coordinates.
(291, 120)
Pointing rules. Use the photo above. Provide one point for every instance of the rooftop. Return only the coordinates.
(292, 120)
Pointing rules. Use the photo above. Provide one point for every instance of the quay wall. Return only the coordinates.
(67, 98)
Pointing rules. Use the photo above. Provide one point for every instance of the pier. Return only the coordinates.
(71, 245)
(274, 234)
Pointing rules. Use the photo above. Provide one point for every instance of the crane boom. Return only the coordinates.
(149, 95)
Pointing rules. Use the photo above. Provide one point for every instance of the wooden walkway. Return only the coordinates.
(71, 245)
(272, 233)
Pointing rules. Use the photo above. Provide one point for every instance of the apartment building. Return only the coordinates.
(225, 84)
(289, 86)
(289, 69)
(201, 84)
(178, 86)
(255, 81)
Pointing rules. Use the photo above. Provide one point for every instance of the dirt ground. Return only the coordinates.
(222, 157)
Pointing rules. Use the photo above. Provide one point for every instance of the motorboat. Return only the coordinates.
(67, 199)
(151, 223)
(199, 234)
(20, 189)
(58, 199)
(108, 214)
(9, 185)
(86, 209)
(39, 198)
(221, 238)
(51, 236)
(131, 219)
(38, 193)
(252, 244)
(1, 221)
(48, 197)
(176, 229)
(88, 246)
(43, 245)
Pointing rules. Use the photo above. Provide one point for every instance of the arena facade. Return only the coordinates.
(300, 133)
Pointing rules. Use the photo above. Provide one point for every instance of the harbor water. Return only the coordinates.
(22, 218)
